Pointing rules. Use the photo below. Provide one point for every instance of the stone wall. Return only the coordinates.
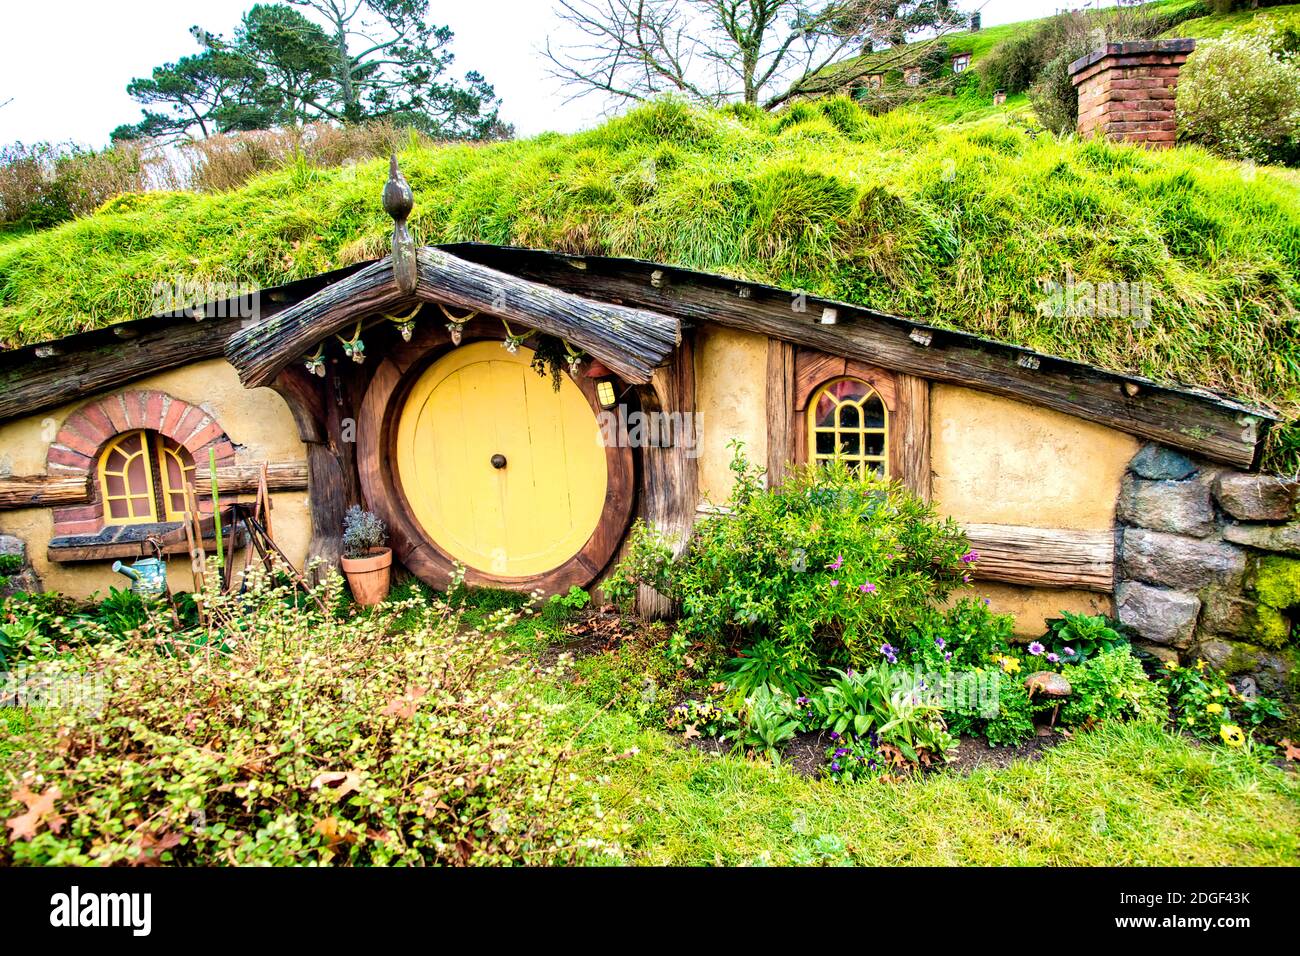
(1209, 566)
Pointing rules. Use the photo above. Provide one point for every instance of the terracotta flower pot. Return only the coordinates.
(369, 576)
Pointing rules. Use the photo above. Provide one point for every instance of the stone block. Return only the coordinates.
(1159, 463)
(1182, 507)
(1256, 497)
(1177, 561)
(1281, 539)
(1159, 615)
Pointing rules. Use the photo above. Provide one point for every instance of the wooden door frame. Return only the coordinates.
(380, 411)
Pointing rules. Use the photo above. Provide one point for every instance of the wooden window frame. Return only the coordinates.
(795, 374)
(154, 449)
(862, 430)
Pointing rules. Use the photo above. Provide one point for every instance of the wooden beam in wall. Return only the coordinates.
(41, 491)
(780, 409)
(1044, 557)
(1205, 424)
(45, 491)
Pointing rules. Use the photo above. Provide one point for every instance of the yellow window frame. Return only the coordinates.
(837, 430)
(105, 473)
(164, 476)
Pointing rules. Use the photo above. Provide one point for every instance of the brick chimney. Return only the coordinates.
(1126, 90)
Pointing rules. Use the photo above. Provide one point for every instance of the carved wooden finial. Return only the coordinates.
(398, 203)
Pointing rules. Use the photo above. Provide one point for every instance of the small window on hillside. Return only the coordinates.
(960, 62)
(912, 76)
(142, 478)
(848, 421)
(873, 81)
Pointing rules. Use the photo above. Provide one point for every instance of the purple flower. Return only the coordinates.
(837, 563)
(970, 556)
(801, 700)
(939, 643)
(835, 583)
(834, 735)
(986, 602)
(1035, 648)
(835, 766)
(947, 656)
(965, 579)
(889, 652)
(1053, 658)
(867, 588)
(1068, 651)
(840, 751)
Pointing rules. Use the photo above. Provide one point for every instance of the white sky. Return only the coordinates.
(66, 63)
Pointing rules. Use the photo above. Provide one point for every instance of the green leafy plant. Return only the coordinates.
(320, 739)
(1075, 638)
(830, 566)
(647, 560)
(1113, 686)
(121, 612)
(362, 531)
(767, 663)
(1004, 718)
(770, 720)
(966, 634)
(1208, 705)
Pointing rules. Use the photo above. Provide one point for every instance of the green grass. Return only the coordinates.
(924, 212)
(1216, 25)
(1123, 794)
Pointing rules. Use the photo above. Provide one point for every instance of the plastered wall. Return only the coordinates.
(999, 461)
(731, 397)
(258, 422)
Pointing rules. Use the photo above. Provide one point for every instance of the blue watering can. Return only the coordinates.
(148, 577)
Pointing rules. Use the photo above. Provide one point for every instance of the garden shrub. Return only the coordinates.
(1113, 686)
(1240, 95)
(967, 634)
(287, 736)
(830, 567)
(1006, 721)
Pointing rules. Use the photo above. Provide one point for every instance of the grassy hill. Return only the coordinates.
(951, 211)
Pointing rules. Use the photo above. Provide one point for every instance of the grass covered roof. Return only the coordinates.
(960, 224)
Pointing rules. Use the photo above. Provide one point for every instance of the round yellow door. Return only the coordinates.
(502, 472)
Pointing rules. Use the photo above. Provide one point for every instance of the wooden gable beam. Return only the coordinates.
(632, 342)
(1205, 424)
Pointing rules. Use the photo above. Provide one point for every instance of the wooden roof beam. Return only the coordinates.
(1199, 422)
(631, 342)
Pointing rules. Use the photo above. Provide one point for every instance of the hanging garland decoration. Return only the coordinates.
(316, 363)
(456, 324)
(512, 342)
(405, 323)
(354, 348)
(574, 358)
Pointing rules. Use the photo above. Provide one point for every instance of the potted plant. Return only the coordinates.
(367, 563)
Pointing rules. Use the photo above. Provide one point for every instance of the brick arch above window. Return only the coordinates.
(84, 434)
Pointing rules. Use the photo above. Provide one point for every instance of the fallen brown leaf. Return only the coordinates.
(40, 810)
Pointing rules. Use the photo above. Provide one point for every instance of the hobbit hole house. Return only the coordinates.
(410, 385)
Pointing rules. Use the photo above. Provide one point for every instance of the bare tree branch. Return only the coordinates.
(715, 51)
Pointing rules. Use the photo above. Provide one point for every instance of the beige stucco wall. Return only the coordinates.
(1031, 607)
(257, 421)
(999, 461)
(731, 398)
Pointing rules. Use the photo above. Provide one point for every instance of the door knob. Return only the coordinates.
(498, 460)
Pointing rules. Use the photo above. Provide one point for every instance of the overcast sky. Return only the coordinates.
(66, 63)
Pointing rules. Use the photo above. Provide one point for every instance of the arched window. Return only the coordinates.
(142, 478)
(847, 420)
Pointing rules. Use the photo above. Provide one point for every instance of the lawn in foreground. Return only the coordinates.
(1121, 794)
